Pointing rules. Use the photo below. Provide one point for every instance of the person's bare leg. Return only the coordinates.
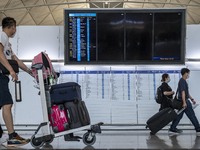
(8, 118)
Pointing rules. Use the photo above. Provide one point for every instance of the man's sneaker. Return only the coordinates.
(1, 132)
(17, 141)
(174, 132)
(179, 130)
(198, 132)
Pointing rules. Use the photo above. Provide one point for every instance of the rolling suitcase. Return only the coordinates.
(65, 92)
(58, 118)
(83, 113)
(73, 114)
(160, 120)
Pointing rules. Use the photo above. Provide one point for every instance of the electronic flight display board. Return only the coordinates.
(124, 36)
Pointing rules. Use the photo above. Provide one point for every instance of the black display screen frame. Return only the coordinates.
(124, 59)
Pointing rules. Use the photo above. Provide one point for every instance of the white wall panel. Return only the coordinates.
(29, 110)
(192, 42)
(34, 39)
(61, 42)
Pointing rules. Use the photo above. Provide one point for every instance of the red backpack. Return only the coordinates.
(47, 69)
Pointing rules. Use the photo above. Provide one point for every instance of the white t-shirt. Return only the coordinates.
(4, 40)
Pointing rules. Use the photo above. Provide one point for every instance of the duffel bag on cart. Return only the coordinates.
(65, 92)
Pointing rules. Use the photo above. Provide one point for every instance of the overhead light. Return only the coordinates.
(106, 5)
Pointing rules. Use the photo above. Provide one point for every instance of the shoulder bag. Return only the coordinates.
(13, 64)
(176, 103)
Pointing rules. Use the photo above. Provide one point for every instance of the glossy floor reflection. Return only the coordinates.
(127, 140)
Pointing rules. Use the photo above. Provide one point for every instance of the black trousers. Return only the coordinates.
(1, 131)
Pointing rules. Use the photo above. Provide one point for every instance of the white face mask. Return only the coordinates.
(12, 36)
(168, 80)
(188, 76)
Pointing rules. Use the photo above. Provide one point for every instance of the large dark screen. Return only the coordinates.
(139, 36)
(167, 36)
(124, 36)
(110, 36)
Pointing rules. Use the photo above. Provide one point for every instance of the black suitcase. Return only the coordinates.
(65, 92)
(73, 114)
(160, 120)
(83, 113)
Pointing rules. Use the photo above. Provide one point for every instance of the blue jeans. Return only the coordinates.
(190, 114)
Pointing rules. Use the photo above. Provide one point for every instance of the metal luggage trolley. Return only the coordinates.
(48, 135)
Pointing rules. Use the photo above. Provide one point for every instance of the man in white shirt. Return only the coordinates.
(6, 102)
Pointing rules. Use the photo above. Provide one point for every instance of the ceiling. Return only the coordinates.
(50, 12)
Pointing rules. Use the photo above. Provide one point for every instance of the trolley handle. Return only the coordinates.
(37, 66)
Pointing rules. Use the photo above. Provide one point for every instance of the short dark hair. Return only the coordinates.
(8, 22)
(184, 70)
(164, 76)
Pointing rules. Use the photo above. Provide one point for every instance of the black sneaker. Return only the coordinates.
(179, 130)
(1, 132)
(17, 141)
(198, 132)
(173, 132)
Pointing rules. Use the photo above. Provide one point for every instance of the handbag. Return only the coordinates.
(176, 103)
(13, 64)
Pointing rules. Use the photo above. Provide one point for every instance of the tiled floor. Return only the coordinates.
(140, 139)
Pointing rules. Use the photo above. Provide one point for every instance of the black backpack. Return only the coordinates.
(159, 95)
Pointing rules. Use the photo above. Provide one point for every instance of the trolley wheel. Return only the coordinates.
(35, 143)
(49, 141)
(89, 139)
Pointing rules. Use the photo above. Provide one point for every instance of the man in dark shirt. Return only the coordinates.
(184, 96)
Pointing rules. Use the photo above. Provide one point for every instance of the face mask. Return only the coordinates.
(12, 36)
(188, 76)
(168, 80)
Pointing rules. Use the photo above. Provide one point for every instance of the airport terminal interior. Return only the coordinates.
(95, 66)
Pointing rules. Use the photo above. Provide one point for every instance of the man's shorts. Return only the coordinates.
(5, 96)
